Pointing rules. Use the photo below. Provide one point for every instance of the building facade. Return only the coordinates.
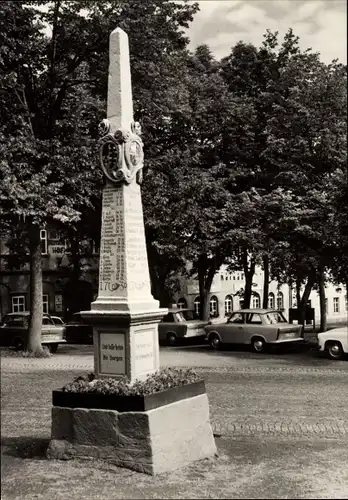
(224, 297)
(63, 296)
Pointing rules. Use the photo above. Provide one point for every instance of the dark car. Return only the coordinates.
(175, 325)
(77, 331)
(15, 328)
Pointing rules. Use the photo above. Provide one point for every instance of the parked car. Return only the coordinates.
(255, 327)
(189, 314)
(15, 328)
(334, 342)
(175, 326)
(57, 320)
(77, 331)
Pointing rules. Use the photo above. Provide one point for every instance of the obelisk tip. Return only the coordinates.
(119, 31)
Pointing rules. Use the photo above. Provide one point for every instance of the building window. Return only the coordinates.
(214, 307)
(241, 303)
(346, 302)
(221, 276)
(95, 247)
(271, 300)
(228, 305)
(67, 246)
(54, 235)
(280, 301)
(197, 306)
(43, 238)
(336, 305)
(45, 304)
(256, 301)
(18, 303)
(58, 302)
(182, 304)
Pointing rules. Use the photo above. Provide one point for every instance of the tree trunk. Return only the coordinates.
(75, 258)
(202, 295)
(303, 302)
(249, 274)
(298, 293)
(158, 288)
(265, 259)
(323, 313)
(206, 272)
(206, 308)
(35, 323)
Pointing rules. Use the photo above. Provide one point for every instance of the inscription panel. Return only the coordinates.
(144, 350)
(112, 353)
(112, 251)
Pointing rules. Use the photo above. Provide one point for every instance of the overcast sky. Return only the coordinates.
(320, 24)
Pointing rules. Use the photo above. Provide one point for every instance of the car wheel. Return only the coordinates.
(258, 344)
(335, 350)
(214, 341)
(171, 338)
(53, 348)
(18, 344)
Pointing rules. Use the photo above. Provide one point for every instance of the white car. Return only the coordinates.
(57, 320)
(334, 342)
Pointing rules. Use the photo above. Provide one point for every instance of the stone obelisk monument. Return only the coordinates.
(125, 319)
(125, 316)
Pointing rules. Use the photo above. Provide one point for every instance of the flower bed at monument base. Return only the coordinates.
(161, 388)
(127, 403)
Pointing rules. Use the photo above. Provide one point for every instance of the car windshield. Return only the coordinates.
(47, 321)
(57, 321)
(274, 317)
(180, 318)
(189, 315)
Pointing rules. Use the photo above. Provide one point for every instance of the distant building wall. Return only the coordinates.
(226, 285)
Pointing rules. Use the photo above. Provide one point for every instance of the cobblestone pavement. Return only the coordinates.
(81, 358)
(296, 394)
(280, 422)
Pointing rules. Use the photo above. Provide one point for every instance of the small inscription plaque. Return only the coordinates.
(144, 351)
(112, 354)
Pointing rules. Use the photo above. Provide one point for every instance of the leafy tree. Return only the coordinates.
(253, 78)
(307, 139)
(47, 167)
(183, 196)
(288, 134)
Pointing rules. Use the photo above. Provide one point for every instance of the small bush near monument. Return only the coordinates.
(167, 378)
(9, 353)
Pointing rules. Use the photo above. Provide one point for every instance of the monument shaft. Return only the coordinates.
(125, 316)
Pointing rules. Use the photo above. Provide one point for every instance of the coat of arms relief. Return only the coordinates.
(121, 153)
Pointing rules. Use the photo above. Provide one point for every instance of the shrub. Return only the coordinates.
(156, 382)
(40, 353)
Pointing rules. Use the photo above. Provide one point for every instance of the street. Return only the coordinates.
(280, 422)
(295, 393)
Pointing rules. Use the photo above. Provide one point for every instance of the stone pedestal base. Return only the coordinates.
(153, 442)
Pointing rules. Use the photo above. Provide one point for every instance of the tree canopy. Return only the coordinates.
(245, 158)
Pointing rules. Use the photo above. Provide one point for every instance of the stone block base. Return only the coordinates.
(153, 441)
